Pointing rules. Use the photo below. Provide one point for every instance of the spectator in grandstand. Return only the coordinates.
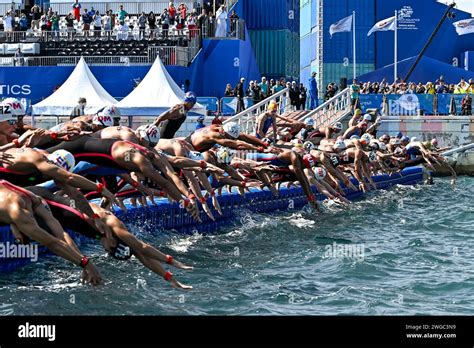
(121, 14)
(45, 23)
(270, 87)
(234, 19)
(23, 23)
(192, 24)
(277, 87)
(92, 12)
(35, 17)
(165, 22)
(113, 18)
(294, 95)
(466, 105)
(18, 58)
(203, 22)
(442, 88)
(122, 32)
(221, 16)
(313, 92)
(76, 10)
(70, 25)
(264, 87)
(97, 23)
(182, 11)
(330, 92)
(254, 92)
(355, 90)
(239, 93)
(172, 13)
(303, 97)
(142, 20)
(8, 25)
(79, 109)
(152, 24)
(86, 22)
(229, 92)
(211, 30)
(55, 24)
(107, 23)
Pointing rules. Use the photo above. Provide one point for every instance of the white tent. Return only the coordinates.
(81, 83)
(156, 93)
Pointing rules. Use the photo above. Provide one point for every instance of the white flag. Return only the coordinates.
(383, 25)
(466, 26)
(343, 25)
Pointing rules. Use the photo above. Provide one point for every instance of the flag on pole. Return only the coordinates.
(383, 25)
(344, 25)
(466, 26)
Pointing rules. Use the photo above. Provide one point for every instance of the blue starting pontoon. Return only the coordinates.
(167, 216)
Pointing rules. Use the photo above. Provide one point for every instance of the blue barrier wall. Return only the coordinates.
(411, 104)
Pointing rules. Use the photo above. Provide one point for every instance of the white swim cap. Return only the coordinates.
(11, 107)
(382, 146)
(320, 173)
(309, 121)
(372, 156)
(63, 159)
(337, 126)
(339, 145)
(111, 111)
(308, 146)
(105, 120)
(365, 139)
(233, 129)
(150, 133)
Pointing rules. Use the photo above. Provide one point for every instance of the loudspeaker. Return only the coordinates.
(343, 83)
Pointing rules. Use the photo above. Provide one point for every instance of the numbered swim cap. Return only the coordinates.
(372, 156)
(11, 107)
(337, 126)
(233, 129)
(308, 146)
(63, 159)
(150, 133)
(339, 145)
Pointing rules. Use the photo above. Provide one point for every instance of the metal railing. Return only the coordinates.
(247, 118)
(169, 55)
(90, 60)
(78, 33)
(333, 110)
(235, 30)
(132, 8)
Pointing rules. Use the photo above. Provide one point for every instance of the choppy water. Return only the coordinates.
(405, 251)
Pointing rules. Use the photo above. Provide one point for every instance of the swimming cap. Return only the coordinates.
(272, 106)
(190, 97)
(105, 120)
(320, 173)
(365, 139)
(11, 107)
(309, 122)
(339, 145)
(63, 159)
(337, 126)
(308, 146)
(150, 133)
(196, 156)
(233, 129)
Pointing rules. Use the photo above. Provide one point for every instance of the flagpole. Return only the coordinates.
(396, 46)
(354, 43)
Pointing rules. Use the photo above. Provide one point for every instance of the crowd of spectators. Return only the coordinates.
(260, 90)
(465, 88)
(176, 16)
(438, 87)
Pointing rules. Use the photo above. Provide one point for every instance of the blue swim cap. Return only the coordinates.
(400, 135)
(405, 139)
(190, 97)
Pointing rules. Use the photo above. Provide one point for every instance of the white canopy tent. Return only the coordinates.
(155, 94)
(81, 83)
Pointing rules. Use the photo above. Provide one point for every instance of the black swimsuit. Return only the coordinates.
(92, 150)
(22, 179)
(70, 218)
